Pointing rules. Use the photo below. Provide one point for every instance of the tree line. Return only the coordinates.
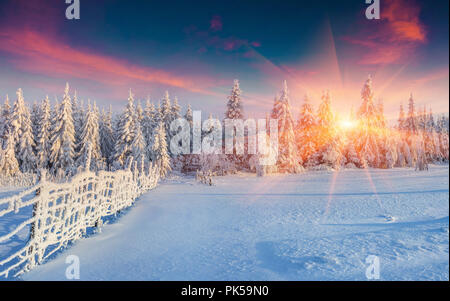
(68, 135)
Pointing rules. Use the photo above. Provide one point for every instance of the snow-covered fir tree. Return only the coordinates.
(8, 162)
(35, 116)
(138, 144)
(148, 125)
(79, 116)
(175, 110)
(367, 139)
(401, 119)
(23, 134)
(124, 137)
(306, 130)
(328, 152)
(288, 159)
(26, 157)
(234, 105)
(107, 139)
(165, 111)
(43, 135)
(160, 150)
(411, 119)
(63, 138)
(89, 145)
(17, 118)
(5, 119)
(139, 112)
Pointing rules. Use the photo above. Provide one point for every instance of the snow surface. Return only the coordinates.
(279, 227)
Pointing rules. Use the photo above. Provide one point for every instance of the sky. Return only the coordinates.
(195, 49)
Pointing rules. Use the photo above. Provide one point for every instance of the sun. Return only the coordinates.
(347, 124)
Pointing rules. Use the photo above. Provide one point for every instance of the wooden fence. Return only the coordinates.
(63, 212)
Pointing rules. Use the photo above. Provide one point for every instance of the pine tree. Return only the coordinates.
(288, 159)
(148, 125)
(329, 145)
(138, 144)
(8, 162)
(401, 119)
(234, 105)
(160, 152)
(63, 139)
(125, 133)
(175, 110)
(306, 130)
(443, 130)
(139, 112)
(166, 113)
(23, 134)
(43, 135)
(381, 119)
(411, 119)
(5, 119)
(368, 144)
(89, 144)
(17, 118)
(27, 159)
(35, 117)
(78, 115)
(189, 116)
(107, 139)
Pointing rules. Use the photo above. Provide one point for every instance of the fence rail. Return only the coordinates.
(62, 212)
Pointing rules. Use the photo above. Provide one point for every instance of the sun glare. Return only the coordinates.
(346, 124)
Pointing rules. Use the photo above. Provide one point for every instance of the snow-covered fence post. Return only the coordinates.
(34, 251)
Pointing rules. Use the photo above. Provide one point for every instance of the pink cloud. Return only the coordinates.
(392, 40)
(403, 17)
(216, 23)
(34, 52)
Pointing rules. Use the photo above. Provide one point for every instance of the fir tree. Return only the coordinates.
(125, 133)
(63, 139)
(234, 105)
(5, 119)
(175, 110)
(288, 160)
(160, 152)
(138, 144)
(89, 145)
(411, 119)
(401, 119)
(148, 125)
(107, 139)
(43, 135)
(166, 113)
(305, 130)
(8, 162)
(27, 159)
(367, 139)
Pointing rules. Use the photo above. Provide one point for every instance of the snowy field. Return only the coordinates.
(311, 226)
